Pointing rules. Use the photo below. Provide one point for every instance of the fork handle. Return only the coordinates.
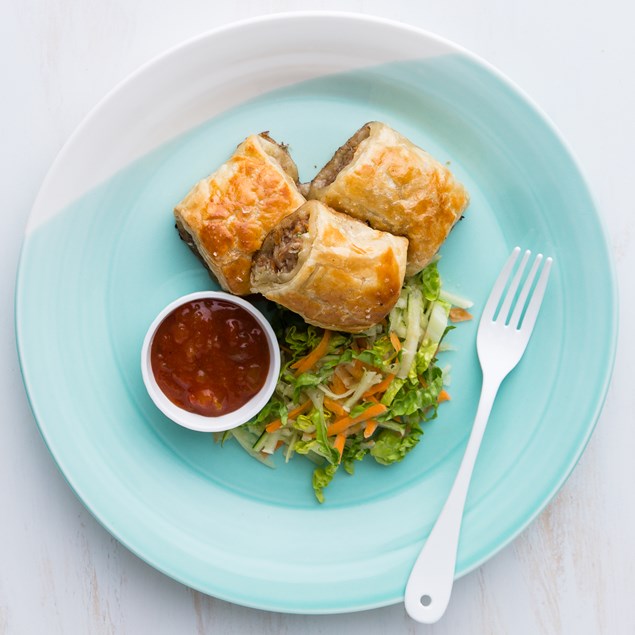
(430, 583)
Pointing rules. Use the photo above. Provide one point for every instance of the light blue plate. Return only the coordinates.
(102, 257)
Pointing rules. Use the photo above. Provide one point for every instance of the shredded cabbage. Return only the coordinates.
(369, 378)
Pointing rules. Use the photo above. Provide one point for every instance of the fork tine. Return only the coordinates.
(503, 314)
(536, 300)
(499, 286)
(522, 298)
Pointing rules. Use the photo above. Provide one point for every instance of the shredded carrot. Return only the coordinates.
(372, 399)
(356, 369)
(382, 386)
(371, 426)
(337, 385)
(396, 344)
(459, 315)
(422, 381)
(279, 445)
(346, 422)
(272, 426)
(443, 396)
(307, 362)
(339, 442)
(335, 407)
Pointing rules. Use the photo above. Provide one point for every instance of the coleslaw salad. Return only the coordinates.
(341, 397)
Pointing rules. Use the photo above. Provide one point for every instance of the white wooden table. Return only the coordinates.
(571, 572)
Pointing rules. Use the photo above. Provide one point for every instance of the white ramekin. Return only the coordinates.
(195, 421)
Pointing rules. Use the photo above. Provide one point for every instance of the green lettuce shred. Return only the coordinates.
(391, 447)
(322, 476)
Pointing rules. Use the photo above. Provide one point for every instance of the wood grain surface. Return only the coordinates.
(571, 572)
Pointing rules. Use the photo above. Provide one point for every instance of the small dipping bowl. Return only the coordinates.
(199, 422)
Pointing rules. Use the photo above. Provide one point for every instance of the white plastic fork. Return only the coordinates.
(500, 343)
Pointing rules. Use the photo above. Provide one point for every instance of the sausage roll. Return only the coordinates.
(333, 270)
(382, 178)
(225, 217)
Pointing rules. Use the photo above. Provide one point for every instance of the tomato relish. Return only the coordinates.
(210, 357)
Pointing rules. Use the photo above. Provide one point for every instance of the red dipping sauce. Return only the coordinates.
(210, 357)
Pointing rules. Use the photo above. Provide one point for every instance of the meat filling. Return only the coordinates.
(342, 157)
(283, 244)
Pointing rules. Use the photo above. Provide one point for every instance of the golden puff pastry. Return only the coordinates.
(225, 217)
(333, 270)
(380, 177)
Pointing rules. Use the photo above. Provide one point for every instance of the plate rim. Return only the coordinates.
(360, 18)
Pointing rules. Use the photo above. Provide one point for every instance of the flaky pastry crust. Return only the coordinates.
(225, 217)
(333, 270)
(381, 177)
